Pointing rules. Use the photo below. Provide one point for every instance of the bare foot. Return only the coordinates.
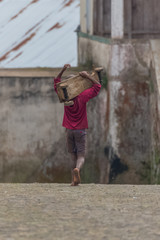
(76, 176)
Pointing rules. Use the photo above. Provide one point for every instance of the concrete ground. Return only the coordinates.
(59, 211)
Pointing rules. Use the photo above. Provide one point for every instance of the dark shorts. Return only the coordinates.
(76, 140)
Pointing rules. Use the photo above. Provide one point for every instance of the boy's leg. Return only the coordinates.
(80, 142)
(80, 160)
(81, 147)
(72, 151)
(76, 142)
(73, 162)
(76, 171)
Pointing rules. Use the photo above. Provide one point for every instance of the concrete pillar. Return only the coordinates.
(83, 16)
(117, 19)
(86, 16)
(89, 16)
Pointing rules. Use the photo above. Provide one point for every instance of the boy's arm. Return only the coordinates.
(86, 75)
(91, 92)
(58, 78)
(63, 70)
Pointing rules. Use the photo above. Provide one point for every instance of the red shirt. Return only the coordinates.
(75, 116)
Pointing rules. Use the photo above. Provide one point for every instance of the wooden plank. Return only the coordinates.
(106, 17)
(137, 15)
(141, 17)
(88, 16)
(128, 17)
(95, 20)
(146, 15)
(100, 17)
(156, 20)
(152, 16)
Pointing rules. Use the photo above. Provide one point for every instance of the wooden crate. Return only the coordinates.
(72, 87)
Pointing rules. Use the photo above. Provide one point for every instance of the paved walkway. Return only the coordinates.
(58, 211)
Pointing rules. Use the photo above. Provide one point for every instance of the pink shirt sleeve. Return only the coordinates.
(92, 92)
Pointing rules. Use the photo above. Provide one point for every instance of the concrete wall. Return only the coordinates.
(132, 119)
(129, 126)
(123, 121)
(94, 50)
(155, 110)
(32, 139)
(30, 115)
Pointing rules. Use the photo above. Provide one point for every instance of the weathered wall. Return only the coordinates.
(132, 119)
(128, 120)
(94, 50)
(155, 110)
(32, 139)
(123, 135)
(30, 123)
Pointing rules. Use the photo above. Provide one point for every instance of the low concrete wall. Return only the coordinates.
(32, 139)
(30, 123)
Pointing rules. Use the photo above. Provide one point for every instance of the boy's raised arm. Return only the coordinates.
(63, 70)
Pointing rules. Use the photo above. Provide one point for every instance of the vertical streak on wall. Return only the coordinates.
(116, 66)
(113, 138)
(86, 13)
(91, 4)
(155, 47)
(117, 19)
(83, 16)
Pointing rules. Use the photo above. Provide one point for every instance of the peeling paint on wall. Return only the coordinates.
(113, 138)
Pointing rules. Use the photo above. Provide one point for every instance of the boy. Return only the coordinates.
(75, 121)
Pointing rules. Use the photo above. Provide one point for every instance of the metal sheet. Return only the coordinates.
(38, 33)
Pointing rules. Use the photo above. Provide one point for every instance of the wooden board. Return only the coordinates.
(141, 18)
(72, 87)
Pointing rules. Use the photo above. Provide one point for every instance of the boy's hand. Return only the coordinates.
(63, 69)
(84, 74)
(66, 66)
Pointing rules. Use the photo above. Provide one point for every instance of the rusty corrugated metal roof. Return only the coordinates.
(38, 33)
